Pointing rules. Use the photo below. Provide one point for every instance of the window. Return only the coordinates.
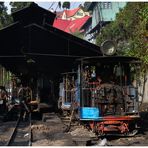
(79, 13)
(106, 5)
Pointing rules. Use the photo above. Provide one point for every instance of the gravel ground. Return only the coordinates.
(81, 132)
(138, 140)
(51, 133)
(5, 128)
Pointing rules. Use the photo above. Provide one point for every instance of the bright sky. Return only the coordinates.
(50, 5)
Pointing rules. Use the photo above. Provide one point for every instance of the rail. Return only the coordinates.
(15, 133)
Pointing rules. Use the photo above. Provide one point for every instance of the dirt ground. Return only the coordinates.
(51, 133)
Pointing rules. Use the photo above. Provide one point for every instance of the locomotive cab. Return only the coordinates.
(109, 94)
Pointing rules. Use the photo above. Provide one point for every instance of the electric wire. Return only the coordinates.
(51, 5)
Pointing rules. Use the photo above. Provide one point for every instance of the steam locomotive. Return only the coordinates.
(105, 94)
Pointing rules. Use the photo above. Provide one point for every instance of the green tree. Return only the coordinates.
(18, 5)
(130, 31)
(66, 5)
(5, 19)
(77, 34)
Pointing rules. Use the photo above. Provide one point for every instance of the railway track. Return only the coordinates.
(21, 134)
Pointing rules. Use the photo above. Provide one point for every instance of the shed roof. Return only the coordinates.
(53, 50)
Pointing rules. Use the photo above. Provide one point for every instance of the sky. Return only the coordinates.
(46, 5)
(50, 4)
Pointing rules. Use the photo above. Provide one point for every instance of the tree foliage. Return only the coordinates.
(78, 34)
(66, 5)
(130, 31)
(18, 5)
(5, 19)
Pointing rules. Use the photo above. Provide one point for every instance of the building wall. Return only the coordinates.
(109, 13)
(106, 11)
(102, 12)
(64, 16)
(79, 14)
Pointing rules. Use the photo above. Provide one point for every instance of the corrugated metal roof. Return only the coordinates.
(69, 13)
(70, 26)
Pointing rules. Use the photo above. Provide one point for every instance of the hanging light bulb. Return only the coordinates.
(30, 61)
